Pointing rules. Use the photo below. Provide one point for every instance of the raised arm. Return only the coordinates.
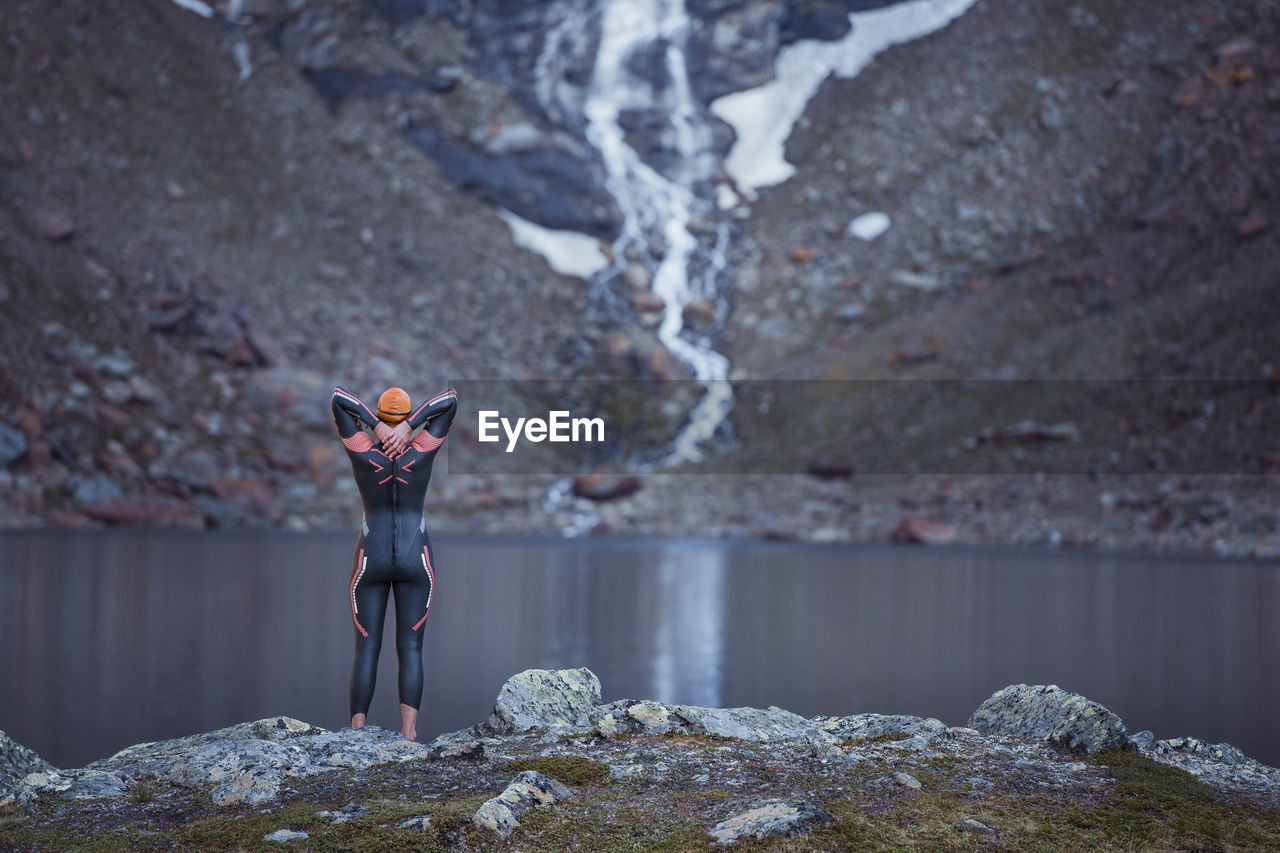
(350, 413)
(437, 413)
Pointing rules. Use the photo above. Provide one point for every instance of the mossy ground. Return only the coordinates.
(682, 788)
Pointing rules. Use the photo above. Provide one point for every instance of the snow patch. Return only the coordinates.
(869, 226)
(763, 117)
(201, 9)
(568, 252)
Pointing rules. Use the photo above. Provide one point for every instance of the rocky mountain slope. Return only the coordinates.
(209, 221)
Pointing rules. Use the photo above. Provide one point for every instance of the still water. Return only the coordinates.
(113, 638)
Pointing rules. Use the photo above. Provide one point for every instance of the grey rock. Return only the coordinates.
(770, 725)
(421, 823)
(119, 366)
(460, 744)
(67, 784)
(99, 487)
(541, 698)
(1221, 752)
(777, 820)
(919, 731)
(527, 790)
(284, 835)
(297, 395)
(13, 445)
(1051, 714)
(516, 138)
(906, 780)
(975, 825)
(348, 812)
(247, 762)
(17, 761)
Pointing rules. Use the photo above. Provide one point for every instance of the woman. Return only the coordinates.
(393, 550)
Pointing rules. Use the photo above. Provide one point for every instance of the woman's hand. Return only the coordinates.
(395, 440)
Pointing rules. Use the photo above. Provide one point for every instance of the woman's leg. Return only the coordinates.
(413, 600)
(368, 610)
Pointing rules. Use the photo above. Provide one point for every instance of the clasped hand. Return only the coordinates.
(395, 440)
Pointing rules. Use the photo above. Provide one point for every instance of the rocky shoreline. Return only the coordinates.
(554, 768)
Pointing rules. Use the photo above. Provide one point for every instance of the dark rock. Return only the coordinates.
(421, 823)
(914, 354)
(297, 395)
(923, 531)
(775, 820)
(527, 790)
(50, 222)
(334, 85)
(547, 186)
(13, 445)
(399, 12)
(146, 511)
(603, 486)
(255, 497)
(827, 20)
(1049, 713)
(829, 469)
(1253, 226)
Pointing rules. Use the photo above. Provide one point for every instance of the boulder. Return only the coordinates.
(13, 445)
(917, 732)
(1051, 714)
(770, 725)
(17, 761)
(67, 784)
(777, 820)
(527, 790)
(542, 698)
(247, 762)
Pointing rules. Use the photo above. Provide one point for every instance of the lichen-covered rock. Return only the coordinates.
(459, 744)
(1223, 753)
(773, 724)
(526, 790)
(916, 732)
(779, 820)
(17, 762)
(67, 784)
(247, 762)
(348, 812)
(542, 698)
(1049, 713)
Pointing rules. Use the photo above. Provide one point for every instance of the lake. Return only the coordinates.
(116, 637)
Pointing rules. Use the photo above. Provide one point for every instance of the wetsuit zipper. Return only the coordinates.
(395, 512)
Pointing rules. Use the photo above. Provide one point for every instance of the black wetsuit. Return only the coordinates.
(393, 549)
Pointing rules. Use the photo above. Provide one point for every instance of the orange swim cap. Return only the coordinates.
(393, 405)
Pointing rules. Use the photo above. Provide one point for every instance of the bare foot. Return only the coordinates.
(408, 721)
(357, 721)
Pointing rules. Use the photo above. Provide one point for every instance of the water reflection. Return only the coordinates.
(689, 642)
(112, 638)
